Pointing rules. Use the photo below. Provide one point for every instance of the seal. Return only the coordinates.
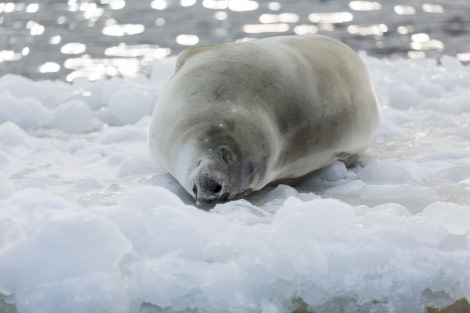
(237, 117)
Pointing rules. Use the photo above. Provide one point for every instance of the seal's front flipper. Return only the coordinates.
(347, 158)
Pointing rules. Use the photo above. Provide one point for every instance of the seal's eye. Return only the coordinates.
(225, 155)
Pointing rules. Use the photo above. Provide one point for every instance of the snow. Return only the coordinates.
(89, 224)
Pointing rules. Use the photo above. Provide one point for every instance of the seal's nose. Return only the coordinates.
(207, 189)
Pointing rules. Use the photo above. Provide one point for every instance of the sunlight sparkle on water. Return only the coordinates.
(422, 41)
(7, 7)
(160, 21)
(132, 51)
(233, 5)
(274, 6)
(187, 3)
(215, 4)
(35, 28)
(432, 44)
(158, 4)
(91, 10)
(404, 9)
(55, 40)
(124, 29)
(334, 17)
(327, 27)
(364, 5)
(404, 30)
(49, 67)
(187, 39)
(220, 16)
(416, 54)
(305, 29)
(117, 4)
(464, 56)
(73, 48)
(432, 8)
(366, 30)
(61, 20)
(243, 5)
(420, 37)
(7, 55)
(32, 8)
(94, 69)
(73, 5)
(279, 18)
(266, 28)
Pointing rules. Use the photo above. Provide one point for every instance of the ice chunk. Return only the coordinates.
(158, 223)
(6, 187)
(129, 106)
(455, 218)
(64, 248)
(273, 196)
(384, 173)
(134, 166)
(12, 135)
(242, 211)
(49, 93)
(452, 64)
(121, 135)
(149, 197)
(27, 112)
(92, 293)
(405, 97)
(319, 217)
(336, 171)
(75, 117)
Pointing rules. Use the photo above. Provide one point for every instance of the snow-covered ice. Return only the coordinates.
(88, 224)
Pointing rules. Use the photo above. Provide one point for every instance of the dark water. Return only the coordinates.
(60, 39)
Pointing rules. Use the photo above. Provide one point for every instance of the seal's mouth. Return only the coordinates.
(209, 196)
(210, 201)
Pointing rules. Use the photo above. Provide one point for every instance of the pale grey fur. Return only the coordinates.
(236, 117)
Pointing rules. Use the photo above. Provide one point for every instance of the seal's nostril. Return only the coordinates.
(207, 189)
(216, 188)
(212, 186)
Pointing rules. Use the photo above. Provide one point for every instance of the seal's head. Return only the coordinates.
(216, 176)
(220, 162)
(213, 130)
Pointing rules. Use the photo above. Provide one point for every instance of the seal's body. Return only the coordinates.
(236, 117)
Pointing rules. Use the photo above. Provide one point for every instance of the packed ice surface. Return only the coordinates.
(88, 224)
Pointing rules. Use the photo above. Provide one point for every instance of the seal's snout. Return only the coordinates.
(207, 189)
